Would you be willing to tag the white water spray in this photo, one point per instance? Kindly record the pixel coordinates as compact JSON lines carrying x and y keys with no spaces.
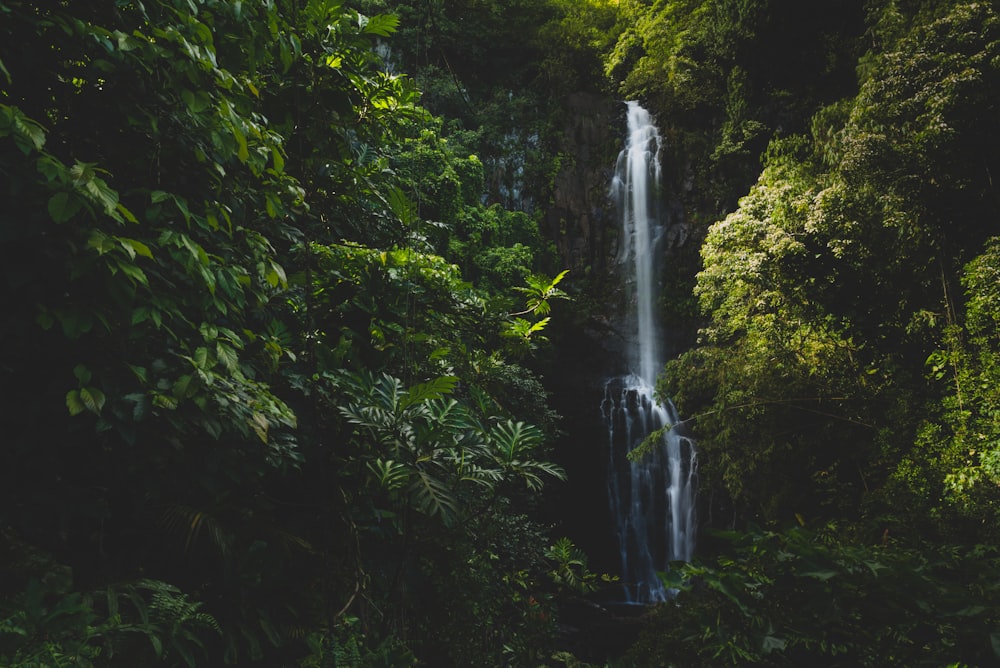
{"x":652,"y":499}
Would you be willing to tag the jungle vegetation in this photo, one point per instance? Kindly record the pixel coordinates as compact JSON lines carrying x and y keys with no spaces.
{"x":276,"y":304}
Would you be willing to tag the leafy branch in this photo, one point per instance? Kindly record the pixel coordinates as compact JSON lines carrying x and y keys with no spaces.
{"x":539,"y":291}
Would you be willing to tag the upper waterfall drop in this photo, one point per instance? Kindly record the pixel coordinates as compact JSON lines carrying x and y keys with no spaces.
{"x":634,"y":190}
{"x":652,"y":499}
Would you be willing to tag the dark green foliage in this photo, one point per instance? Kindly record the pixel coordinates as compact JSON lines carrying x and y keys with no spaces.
{"x":827,"y":289}
{"x":724,"y":77}
{"x":500,"y":74}
{"x":801,"y":597}
{"x":232,"y":361}
{"x":147,"y":621}
{"x":429,"y":484}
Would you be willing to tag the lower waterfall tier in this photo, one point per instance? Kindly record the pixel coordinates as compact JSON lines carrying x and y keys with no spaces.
{"x":652,"y":498}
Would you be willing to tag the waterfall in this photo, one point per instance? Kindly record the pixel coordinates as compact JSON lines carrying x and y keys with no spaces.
{"x":651,"y":499}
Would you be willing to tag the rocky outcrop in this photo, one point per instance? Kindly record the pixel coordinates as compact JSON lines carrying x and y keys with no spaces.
{"x":580,"y":219}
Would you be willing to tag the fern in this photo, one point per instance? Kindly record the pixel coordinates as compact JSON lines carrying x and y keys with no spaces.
{"x":169,"y":620}
{"x":346,"y":653}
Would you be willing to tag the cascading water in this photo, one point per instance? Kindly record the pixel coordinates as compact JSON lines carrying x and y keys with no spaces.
{"x":652,"y":498}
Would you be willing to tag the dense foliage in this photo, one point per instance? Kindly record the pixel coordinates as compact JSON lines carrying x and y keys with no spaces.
{"x":848,"y":296}
{"x":274,"y":282}
{"x":252,"y":414}
{"x":804,"y":597}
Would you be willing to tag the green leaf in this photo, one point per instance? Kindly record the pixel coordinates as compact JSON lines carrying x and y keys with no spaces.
{"x":28,"y":135}
{"x":277,"y":159}
{"x":772,"y":643}
{"x":390,"y":474}
{"x":125,"y":42}
{"x":74,"y":403}
{"x":258,"y":422}
{"x":196,"y":102}
{"x":165,"y":401}
{"x":432,"y":498}
{"x":819,"y":574}
{"x":140,"y":405}
{"x":432,"y":389}
{"x":517,"y":328}
{"x":101,"y":242}
{"x":276,"y":275}
{"x":271,"y":205}
{"x":538,"y":326}
{"x":675,"y":578}
{"x":156,"y":643}
{"x":382,"y":25}
{"x":227,"y":356}
{"x":515,"y":438}
{"x":182,"y":387}
{"x":126,"y":214}
{"x":202,"y":359}
{"x":62,"y":206}
{"x":93,"y":399}
{"x":242,"y":152}
{"x":133,"y":272}
{"x":102,"y":194}
{"x":134,"y":247}
{"x":402,"y":206}
{"x":140,"y":372}
{"x":82,"y":374}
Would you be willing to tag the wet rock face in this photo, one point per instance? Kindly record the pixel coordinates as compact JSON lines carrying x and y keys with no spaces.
{"x":580,"y":219}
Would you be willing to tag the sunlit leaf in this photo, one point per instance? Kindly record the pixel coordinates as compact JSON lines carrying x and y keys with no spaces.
{"x":382,"y":25}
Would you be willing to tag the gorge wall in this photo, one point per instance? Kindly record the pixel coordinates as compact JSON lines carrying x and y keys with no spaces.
{"x":579,"y":218}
